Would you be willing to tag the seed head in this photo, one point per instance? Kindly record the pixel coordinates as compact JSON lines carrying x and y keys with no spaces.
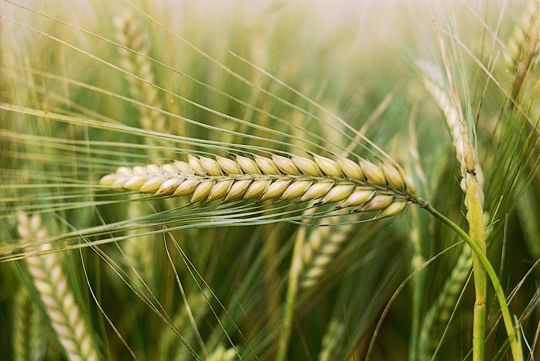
{"x":362,"y":185}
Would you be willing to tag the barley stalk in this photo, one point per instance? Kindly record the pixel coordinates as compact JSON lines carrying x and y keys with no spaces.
{"x":361,"y":186}
{"x":52,"y":285}
{"x":472,"y":184}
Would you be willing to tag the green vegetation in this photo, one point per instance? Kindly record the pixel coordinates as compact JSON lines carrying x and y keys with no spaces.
{"x":300,"y":180}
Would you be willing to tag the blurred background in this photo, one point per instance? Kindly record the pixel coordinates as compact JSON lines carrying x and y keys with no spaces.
{"x":90,"y":86}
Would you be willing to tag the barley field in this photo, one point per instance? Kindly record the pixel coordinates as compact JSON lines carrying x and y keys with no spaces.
{"x":269,"y":180}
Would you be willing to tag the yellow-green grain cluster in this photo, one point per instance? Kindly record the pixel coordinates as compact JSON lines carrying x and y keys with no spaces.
{"x":361,"y":185}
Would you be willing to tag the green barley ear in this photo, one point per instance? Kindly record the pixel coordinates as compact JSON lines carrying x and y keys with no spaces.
{"x":523,"y":46}
{"x":334,"y":328}
{"x":439,"y":313}
{"x":29,"y":340}
{"x":434,"y":83}
{"x":523,"y":43}
{"x":321,"y":248}
{"x":52,"y":284}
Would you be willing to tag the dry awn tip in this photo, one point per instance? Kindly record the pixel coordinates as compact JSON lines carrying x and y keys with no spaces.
{"x":361,"y":185}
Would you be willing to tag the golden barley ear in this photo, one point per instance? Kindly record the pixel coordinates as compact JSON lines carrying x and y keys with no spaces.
{"x":362,"y":186}
{"x":51,"y":282}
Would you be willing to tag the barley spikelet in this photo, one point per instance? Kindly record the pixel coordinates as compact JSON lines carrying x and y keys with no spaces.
{"x":51,"y":283}
{"x":361,"y":186}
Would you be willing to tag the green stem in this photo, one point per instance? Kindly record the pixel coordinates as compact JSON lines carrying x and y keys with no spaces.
{"x":477,"y":233}
{"x":292,"y":292}
{"x":418,"y":293}
{"x":513,"y":339}
{"x":419,"y":287}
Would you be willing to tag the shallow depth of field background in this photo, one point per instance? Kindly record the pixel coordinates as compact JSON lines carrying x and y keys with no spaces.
{"x":219,"y":293}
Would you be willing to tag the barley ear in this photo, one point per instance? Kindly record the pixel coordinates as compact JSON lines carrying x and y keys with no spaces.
{"x":362,"y":185}
{"x":52,"y":284}
{"x":28,"y":338}
{"x":131,"y":35}
{"x":523,"y":44}
{"x":439,"y":313}
{"x":321,"y":248}
{"x":523,"y":47}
